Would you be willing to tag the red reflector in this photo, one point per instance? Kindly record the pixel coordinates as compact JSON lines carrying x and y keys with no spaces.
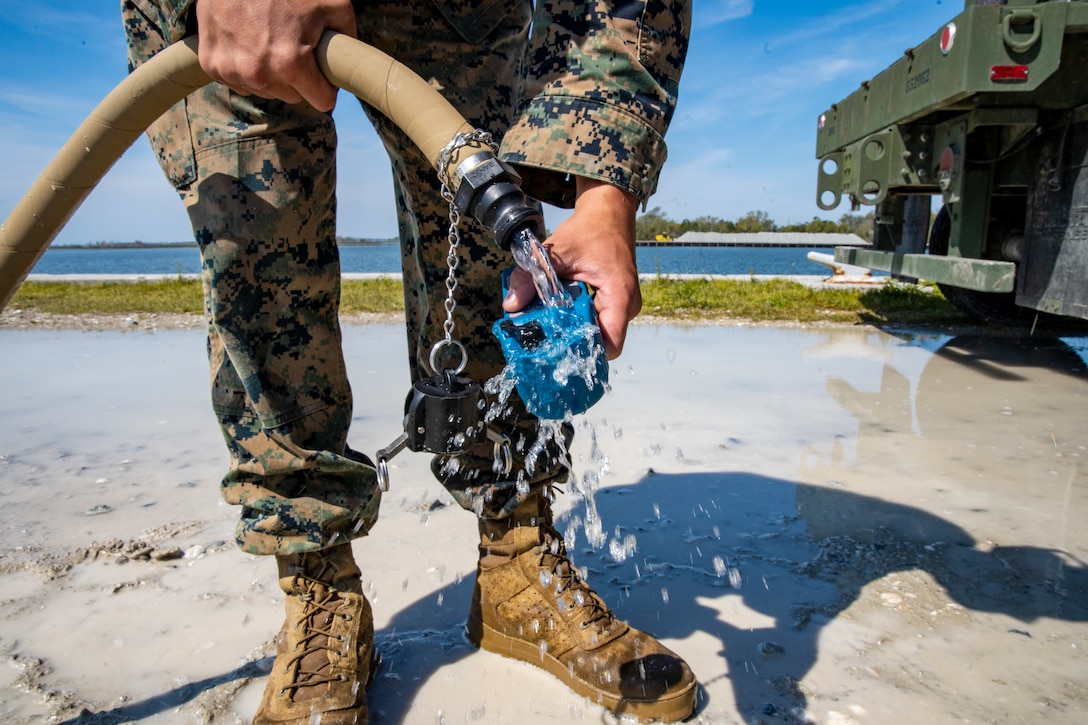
{"x":948,"y":159}
{"x":1008,"y":73}
{"x":948,"y":38}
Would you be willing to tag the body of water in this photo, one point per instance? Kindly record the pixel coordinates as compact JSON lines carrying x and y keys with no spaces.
{"x":385,"y":258}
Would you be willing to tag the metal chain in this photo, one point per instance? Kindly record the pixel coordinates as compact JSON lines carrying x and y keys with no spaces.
{"x":476,"y":137}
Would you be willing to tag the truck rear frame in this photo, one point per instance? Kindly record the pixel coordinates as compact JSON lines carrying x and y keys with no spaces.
{"x":990,"y":113}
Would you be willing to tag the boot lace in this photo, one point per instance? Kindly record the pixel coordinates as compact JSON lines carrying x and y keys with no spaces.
{"x":565,"y":577}
{"x":322,"y":605}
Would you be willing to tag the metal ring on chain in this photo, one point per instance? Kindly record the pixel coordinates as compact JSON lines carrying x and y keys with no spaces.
{"x":504,"y":457}
{"x":382,"y":470}
{"x":448,"y":343}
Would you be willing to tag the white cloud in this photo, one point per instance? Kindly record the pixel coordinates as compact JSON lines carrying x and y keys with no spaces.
{"x":719,"y":11}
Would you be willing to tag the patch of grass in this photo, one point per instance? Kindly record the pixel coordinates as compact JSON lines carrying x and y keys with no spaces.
{"x":384,"y":294}
{"x":756,"y":300}
{"x":909,"y":304}
{"x":687,"y":299}
{"x":177,"y":296}
{"x":73,"y":298}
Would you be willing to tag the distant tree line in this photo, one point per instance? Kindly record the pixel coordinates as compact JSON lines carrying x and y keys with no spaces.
{"x":135,"y":244}
{"x":654,"y":224}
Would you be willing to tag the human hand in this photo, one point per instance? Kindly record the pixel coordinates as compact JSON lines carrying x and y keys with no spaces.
{"x":595,"y":245}
{"x":266,"y":47}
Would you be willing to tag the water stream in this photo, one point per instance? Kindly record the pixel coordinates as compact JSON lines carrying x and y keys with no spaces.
{"x":531,"y":256}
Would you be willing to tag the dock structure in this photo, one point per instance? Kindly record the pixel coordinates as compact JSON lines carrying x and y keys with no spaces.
{"x":761,"y":239}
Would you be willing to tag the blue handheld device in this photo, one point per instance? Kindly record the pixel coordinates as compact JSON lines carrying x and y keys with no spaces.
{"x":555,"y":353}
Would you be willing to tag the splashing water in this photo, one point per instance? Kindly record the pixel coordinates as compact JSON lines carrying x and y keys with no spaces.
{"x":622,"y":549}
{"x":570,"y":534}
{"x":553,"y":345}
{"x":577,"y":362}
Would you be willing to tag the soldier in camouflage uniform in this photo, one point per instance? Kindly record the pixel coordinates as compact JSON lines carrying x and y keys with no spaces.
{"x":581,"y":107}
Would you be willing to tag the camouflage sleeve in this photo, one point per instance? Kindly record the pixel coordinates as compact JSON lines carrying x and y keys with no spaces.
{"x":175,"y":12}
{"x":601,"y":83}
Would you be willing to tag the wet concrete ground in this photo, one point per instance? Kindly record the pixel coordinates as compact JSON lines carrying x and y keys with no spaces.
{"x":832,"y":525}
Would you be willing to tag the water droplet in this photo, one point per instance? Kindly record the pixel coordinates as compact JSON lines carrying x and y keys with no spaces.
{"x":570,"y":534}
{"x":719,"y":566}
{"x":622,"y":549}
{"x":665,"y":595}
{"x":734,"y":578}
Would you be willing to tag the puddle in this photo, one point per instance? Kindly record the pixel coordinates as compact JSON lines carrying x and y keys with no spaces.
{"x":830,"y":525}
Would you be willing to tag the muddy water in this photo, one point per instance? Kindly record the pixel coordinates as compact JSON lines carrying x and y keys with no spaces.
{"x":831,"y":525}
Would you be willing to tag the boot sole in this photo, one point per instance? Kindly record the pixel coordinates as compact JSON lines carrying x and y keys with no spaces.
{"x":673,"y":708}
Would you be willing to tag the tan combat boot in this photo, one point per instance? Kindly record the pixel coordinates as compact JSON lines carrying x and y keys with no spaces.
{"x":530,"y":604}
{"x":325,"y":651}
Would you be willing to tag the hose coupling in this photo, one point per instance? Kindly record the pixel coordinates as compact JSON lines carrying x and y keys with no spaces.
{"x":490,"y":191}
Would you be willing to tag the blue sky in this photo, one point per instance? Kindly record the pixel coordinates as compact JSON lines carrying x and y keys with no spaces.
{"x":759,"y":73}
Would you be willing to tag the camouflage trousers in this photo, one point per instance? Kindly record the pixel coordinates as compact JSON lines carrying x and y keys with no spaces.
{"x":258,"y":179}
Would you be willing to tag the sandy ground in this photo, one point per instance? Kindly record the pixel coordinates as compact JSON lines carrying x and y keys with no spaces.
{"x":833,"y":525}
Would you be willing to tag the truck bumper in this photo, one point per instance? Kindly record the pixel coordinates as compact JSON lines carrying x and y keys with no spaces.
{"x":975,"y":274}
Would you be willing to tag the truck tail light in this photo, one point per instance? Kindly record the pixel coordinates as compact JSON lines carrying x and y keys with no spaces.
{"x":1008,"y":73}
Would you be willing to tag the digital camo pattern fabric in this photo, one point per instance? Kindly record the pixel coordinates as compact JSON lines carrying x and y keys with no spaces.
{"x":258,"y":179}
{"x":601,"y":83}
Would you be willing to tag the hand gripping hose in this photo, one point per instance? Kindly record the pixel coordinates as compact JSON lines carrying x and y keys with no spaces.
{"x":406,"y":99}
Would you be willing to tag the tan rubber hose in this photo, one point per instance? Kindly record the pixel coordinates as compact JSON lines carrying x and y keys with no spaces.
{"x":149,"y":91}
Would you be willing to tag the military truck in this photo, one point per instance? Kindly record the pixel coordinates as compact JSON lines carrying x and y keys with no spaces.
{"x":990,"y":113}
